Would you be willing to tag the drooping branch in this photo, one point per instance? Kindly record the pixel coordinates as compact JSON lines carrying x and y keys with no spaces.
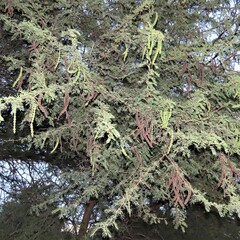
{"x":229,"y":173}
{"x":66,"y":104}
{"x":41,"y":107}
{"x":144,"y":128}
{"x":180,"y":187}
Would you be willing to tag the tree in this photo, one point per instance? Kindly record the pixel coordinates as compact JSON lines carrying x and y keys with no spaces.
{"x":142,"y":96}
{"x":17,"y":221}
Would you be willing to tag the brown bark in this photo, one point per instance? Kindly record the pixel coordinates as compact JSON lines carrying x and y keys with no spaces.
{"x":86,"y":218}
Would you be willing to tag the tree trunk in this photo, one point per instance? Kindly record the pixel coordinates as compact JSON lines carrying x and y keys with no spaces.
{"x":86,"y":218}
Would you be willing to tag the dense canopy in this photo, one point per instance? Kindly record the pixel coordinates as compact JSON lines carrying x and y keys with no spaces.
{"x":138,"y":100}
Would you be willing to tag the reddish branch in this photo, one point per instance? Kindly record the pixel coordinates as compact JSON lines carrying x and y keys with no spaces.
{"x":228,"y":175}
{"x":41,"y":107}
{"x":33,"y":46}
{"x":139,"y":158}
{"x":9,"y":8}
{"x":144,"y":128}
{"x":180,"y":186}
{"x":201,"y":72}
{"x":91,"y":96}
{"x":185,"y":67}
{"x":65,"y":107}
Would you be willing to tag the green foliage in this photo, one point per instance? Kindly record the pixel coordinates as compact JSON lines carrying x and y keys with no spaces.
{"x":18,"y":223}
{"x":137,"y":92}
